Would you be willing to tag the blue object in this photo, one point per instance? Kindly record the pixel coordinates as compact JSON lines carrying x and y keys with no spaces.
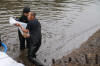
{"x":5,"y":47}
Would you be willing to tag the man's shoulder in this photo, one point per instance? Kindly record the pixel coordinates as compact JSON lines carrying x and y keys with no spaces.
{"x":34,"y":22}
{"x":37,"y":21}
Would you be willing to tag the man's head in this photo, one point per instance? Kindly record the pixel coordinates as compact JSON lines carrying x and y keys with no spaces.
{"x":26,"y":10}
{"x":31,"y":15}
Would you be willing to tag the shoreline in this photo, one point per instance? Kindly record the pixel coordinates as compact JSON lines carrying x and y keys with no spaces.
{"x":88,"y":54}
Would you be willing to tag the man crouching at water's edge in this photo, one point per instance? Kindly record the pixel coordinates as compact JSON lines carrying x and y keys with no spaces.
{"x":33,"y":32}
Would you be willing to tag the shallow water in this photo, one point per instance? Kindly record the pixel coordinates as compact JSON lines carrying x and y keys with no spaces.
{"x":66,"y":24}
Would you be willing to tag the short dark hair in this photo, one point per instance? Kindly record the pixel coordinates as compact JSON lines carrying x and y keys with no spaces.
{"x":26,"y":9}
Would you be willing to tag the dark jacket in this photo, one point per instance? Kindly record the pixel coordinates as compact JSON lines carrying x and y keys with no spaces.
{"x":35,"y":30}
{"x":22,"y":19}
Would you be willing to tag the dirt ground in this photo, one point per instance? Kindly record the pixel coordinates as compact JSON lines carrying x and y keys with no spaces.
{"x":87,"y":55}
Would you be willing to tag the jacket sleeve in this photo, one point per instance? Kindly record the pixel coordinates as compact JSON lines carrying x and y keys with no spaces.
{"x":18,"y":18}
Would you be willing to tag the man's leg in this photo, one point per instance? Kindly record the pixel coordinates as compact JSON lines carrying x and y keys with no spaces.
{"x":22,"y":41}
{"x":32,"y":54}
{"x":32,"y":50}
{"x":27,"y":42}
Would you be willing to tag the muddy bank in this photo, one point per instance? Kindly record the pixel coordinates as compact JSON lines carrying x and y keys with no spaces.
{"x":87,"y":55}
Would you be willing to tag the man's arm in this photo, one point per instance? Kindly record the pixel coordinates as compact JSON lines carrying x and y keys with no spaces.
{"x":22,"y":28}
{"x":26,"y":31}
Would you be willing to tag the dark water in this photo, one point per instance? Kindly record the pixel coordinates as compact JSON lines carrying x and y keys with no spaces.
{"x":62,"y":21}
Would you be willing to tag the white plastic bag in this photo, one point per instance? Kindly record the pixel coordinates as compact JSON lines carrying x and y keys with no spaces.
{"x":12,"y":21}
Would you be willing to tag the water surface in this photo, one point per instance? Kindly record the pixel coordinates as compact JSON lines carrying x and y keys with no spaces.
{"x":66,"y":24}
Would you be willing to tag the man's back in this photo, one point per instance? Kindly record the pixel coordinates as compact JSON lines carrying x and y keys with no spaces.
{"x":34,"y":29}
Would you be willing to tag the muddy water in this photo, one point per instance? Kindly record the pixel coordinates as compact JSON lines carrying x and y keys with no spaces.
{"x":65,"y":25}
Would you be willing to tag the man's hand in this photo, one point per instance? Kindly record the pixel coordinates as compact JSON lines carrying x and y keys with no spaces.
{"x":17,"y":24}
{"x":26,"y":35}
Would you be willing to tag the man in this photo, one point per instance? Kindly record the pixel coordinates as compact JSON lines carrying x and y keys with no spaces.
{"x":24,"y":19}
{"x":33,"y":32}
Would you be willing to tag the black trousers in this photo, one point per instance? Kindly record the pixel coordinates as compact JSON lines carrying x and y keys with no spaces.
{"x":33,"y":48}
{"x":22,"y":41}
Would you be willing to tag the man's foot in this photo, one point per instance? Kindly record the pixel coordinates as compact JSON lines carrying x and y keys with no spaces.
{"x":36,"y":61}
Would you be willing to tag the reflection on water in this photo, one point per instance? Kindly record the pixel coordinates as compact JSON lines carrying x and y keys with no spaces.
{"x":56,"y":17}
